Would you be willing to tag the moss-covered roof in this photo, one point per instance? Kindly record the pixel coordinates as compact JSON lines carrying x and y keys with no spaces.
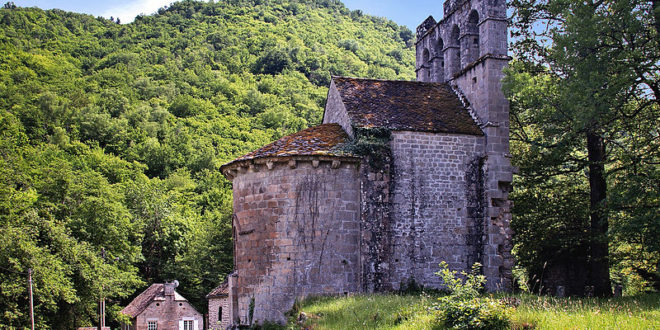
{"x":405,"y":105}
{"x":322,"y":140}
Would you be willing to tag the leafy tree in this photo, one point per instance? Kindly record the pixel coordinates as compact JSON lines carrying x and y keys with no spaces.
{"x":584,"y":96}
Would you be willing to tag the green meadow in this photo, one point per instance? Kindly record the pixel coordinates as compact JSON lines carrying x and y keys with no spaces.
{"x":392,"y":311}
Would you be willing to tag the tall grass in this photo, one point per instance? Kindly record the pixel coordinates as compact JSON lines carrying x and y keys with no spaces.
{"x":641,"y":312}
{"x":389,"y":311}
{"x":386,"y":311}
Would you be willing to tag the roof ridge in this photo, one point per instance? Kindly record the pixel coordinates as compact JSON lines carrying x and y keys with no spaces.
{"x":390,"y":80}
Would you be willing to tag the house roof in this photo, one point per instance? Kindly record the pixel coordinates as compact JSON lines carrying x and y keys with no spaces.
{"x":322,"y":140}
{"x":156,"y":292}
{"x":220,"y":291}
{"x":405,"y":106}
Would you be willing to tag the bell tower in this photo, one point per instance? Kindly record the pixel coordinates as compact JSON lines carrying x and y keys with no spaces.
{"x":468,"y":50}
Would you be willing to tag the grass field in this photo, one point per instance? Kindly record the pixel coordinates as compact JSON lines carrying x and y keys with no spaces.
{"x":533,"y":312}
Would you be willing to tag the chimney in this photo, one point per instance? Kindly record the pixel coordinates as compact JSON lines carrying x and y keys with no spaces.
{"x":169,"y":287}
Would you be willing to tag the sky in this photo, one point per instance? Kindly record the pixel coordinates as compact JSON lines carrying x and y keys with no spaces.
{"x":404,"y":12}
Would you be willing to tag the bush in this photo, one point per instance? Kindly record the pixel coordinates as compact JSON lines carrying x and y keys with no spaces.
{"x":463,"y":308}
{"x":475,"y":313}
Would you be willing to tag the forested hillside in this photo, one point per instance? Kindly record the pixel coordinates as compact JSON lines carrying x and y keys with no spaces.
{"x":111,"y":137}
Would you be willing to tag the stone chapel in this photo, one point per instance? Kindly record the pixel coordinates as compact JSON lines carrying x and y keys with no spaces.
{"x":400,"y":176}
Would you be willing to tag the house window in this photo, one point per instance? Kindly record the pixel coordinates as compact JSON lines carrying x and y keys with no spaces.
{"x":220,"y":314}
{"x":152,"y":325}
{"x":188,"y":325}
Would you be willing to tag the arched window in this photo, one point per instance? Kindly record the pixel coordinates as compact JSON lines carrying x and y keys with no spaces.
{"x":455,"y":33}
{"x":220,"y":314}
{"x":473,"y":20}
{"x":473,"y":41}
{"x":424,"y":73}
{"x":441,"y":47}
{"x":455,"y":58}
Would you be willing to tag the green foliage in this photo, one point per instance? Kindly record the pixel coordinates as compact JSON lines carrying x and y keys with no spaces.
{"x":593,"y":72}
{"x":111,"y":138}
{"x":475,"y":313}
{"x":463,"y":308}
{"x":462,"y":288}
{"x":372,"y":143}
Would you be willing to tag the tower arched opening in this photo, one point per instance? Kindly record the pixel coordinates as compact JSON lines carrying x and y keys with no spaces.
{"x":472,"y":42}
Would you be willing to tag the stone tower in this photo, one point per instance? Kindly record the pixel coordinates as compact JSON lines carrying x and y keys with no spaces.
{"x":468,"y":50}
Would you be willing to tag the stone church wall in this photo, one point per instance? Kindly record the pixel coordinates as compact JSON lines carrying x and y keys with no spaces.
{"x":435,"y":205}
{"x":297,"y":233}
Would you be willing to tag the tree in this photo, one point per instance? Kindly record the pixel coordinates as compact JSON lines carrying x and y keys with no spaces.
{"x":600,"y":62}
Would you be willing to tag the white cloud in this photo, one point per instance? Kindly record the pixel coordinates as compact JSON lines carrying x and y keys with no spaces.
{"x":127,"y":12}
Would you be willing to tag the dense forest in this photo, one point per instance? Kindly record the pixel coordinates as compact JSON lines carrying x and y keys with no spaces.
{"x":112,"y":135}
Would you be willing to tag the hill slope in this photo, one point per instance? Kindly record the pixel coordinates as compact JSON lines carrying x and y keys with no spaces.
{"x":112,"y":136}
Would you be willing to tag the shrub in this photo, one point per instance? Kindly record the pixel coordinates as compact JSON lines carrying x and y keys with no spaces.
{"x":463,"y":308}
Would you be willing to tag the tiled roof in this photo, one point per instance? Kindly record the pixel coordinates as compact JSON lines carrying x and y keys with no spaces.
{"x":405,"y":105}
{"x":324,"y":140}
{"x":221,"y":291}
{"x":155,"y":292}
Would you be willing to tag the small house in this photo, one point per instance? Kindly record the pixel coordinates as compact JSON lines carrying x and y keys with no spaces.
{"x":160,"y":307}
{"x":219,"y":314}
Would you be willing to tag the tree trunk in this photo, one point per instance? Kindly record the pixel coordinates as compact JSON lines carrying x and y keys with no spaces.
{"x":599,"y":264}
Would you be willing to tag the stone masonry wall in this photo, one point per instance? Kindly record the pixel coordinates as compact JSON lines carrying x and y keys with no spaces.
{"x":433,"y":205}
{"x":376,"y":220}
{"x":217,"y":321}
{"x":297,"y":229}
{"x":335,"y":111}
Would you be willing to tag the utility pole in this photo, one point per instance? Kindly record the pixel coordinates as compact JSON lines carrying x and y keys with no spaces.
{"x":31,"y":303}
{"x":102,"y":300}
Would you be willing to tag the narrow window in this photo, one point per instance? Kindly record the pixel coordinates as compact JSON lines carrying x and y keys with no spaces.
{"x":220,"y":314}
{"x":152,"y":325}
{"x":441,"y":47}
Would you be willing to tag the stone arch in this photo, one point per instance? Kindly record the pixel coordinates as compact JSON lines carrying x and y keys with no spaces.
{"x":472,"y":37}
{"x":426,"y":65}
{"x":473,"y":20}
